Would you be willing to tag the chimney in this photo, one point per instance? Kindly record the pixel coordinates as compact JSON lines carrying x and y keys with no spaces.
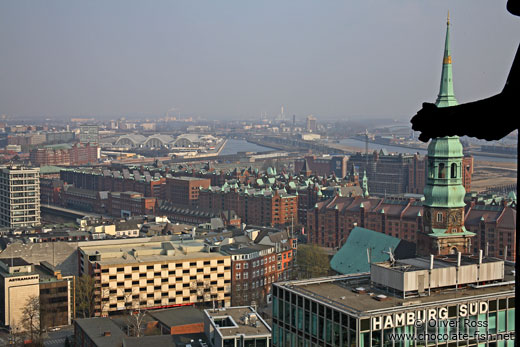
{"x":431,"y":261}
{"x":459,"y":257}
{"x":107,"y":333}
{"x":505,"y":252}
{"x":480,"y":252}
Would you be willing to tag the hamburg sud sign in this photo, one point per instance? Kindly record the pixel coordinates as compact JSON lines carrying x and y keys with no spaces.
{"x":425,"y":315}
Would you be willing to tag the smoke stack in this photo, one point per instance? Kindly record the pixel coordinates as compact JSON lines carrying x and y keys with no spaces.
{"x":505,"y":252}
{"x":487,"y":249}
{"x":431,"y":261}
{"x":459,"y":257}
{"x":480,"y":252}
{"x":368,"y":256}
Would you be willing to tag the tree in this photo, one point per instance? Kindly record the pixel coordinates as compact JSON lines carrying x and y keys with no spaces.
{"x":85,"y":296}
{"x":311,"y":261}
{"x":31,"y":317}
{"x":135,"y":322}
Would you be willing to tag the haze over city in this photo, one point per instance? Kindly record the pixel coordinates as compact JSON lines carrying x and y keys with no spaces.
{"x":237,"y":60}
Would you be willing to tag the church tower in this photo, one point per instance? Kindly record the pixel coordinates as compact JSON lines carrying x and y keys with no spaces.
{"x":364,"y":185}
{"x":444,"y":231}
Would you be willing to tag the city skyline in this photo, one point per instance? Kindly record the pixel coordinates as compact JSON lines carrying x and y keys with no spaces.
{"x":240,"y":60}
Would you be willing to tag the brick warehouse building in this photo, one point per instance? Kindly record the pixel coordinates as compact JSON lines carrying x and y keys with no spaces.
{"x":323,"y":166}
{"x":331,"y":221}
{"x":126,"y":204}
{"x":184,"y":191}
{"x":65,"y":154}
{"x":265,"y":207}
{"x":115,"y":181}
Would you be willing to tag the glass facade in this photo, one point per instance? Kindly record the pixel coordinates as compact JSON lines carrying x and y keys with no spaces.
{"x":300,"y":320}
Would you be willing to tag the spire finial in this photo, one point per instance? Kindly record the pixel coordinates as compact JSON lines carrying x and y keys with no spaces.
{"x":448,"y":20}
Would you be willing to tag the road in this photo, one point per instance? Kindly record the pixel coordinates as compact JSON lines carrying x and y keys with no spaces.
{"x":57,"y":338}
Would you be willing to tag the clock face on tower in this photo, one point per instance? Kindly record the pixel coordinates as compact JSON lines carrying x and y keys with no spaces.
{"x":455,"y":217}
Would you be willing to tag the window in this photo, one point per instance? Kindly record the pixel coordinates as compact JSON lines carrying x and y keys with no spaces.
{"x":439,"y":217}
{"x":237,"y":266}
{"x":238,"y":276}
{"x":453,"y":170}
{"x":442,"y":171}
{"x":246,"y":265}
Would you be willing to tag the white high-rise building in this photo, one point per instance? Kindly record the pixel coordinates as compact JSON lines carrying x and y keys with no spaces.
{"x":19,"y":196}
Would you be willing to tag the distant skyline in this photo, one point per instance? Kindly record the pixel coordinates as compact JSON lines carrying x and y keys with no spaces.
{"x":240,"y":59}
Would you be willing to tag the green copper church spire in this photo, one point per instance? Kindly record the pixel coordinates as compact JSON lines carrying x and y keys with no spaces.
{"x":443,"y":206}
{"x":446,"y":95}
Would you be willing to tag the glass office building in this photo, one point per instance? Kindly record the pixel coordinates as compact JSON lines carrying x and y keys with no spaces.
{"x":411,"y":302}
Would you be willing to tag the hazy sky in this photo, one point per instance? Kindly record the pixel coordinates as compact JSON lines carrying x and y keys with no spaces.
{"x":237,"y":59}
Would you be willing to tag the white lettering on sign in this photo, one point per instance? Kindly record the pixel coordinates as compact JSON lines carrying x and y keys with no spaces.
{"x":432,"y":314}
{"x":23,"y":278}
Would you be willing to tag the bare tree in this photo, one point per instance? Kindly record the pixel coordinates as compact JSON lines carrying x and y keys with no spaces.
{"x":31,"y":317}
{"x":85,"y":297}
{"x":135,"y":322}
{"x":136,"y":315}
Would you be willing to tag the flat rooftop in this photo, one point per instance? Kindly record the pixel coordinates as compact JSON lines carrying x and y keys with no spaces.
{"x":237,"y":315}
{"x":189,"y":178}
{"x":157,"y":251}
{"x":235,"y":249}
{"x":423,"y":263}
{"x":340,"y":291}
{"x":15,"y":261}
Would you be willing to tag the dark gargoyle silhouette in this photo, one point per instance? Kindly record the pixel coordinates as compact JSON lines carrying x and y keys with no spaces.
{"x":488,"y":119}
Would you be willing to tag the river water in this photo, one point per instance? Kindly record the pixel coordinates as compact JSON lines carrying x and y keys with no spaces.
{"x":397,"y":149}
{"x":234,"y":146}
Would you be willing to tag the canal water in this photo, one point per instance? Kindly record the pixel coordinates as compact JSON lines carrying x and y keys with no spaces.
{"x":234,"y":146}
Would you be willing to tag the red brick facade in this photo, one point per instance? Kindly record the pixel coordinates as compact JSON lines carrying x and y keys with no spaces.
{"x":78,"y":154}
{"x":330,"y":223}
{"x":107,"y":181}
{"x":126,"y":204}
{"x":184,"y":191}
{"x":267,"y":209}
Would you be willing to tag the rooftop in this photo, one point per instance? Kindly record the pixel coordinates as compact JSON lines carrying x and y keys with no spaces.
{"x":154,"y":251}
{"x":234,"y":249}
{"x":343,"y":292}
{"x":178,"y":316}
{"x":242,"y":320}
{"x":16,"y":261}
{"x":97,"y":328}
